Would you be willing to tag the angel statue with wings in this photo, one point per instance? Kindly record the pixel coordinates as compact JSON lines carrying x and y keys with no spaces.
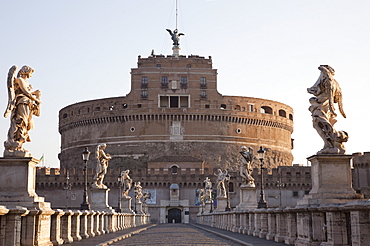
{"x":326,"y":93}
{"x":23,"y":103}
{"x":175,"y":36}
{"x":245,"y":166}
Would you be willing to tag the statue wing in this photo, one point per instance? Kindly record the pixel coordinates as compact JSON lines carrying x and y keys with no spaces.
{"x":181,"y":34}
{"x":338,"y":99}
{"x":11,"y":93}
{"x":170,"y":32}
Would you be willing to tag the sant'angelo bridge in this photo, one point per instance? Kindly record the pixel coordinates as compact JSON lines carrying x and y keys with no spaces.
{"x":331,"y":214}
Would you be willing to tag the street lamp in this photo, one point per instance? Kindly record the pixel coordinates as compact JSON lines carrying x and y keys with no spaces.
{"x":227,"y":179}
{"x":120,"y":193}
{"x":85,"y":157}
{"x":261,"y":203}
{"x":280,"y":185}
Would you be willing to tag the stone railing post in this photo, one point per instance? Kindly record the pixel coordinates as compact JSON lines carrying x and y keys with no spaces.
{"x":251,"y":222}
{"x":264,"y":223}
{"x":245,"y":216}
{"x":291,"y":219}
{"x":280,"y":225}
{"x":336,"y":222}
{"x":91,"y":223}
{"x":29,"y":228}
{"x":55,"y":229}
{"x":96,"y":228}
{"x":83,"y":224}
{"x":271,"y":218}
{"x":66,"y":220}
{"x":257,"y":222}
{"x":102,"y":227}
{"x":13,"y":222}
{"x":76,"y":225}
{"x":360,"y":222}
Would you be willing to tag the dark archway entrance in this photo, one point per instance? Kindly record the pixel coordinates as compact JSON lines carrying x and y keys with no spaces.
{"x":174,"y":215}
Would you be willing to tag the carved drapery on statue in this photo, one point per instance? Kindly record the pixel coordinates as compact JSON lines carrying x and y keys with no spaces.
{"x":138,"y":192}
{"x":23,"y":103}
{"x":221,"y":179}
{"x":245,"y":166}
{"x":126,"y":181}
{"x":101,"y":167}
{"x":208,"y":190}
{"x":327,"y":92}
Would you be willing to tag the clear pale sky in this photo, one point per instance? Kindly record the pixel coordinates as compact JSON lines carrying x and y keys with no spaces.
{"x":84,"y":50}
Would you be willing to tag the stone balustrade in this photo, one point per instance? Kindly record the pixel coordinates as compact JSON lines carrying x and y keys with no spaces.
{"x":331,"y":224}
{"x":25,"y":226}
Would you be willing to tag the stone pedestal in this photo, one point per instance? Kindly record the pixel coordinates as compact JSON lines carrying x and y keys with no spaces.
{"x":248,"y":198}
{"x":208,"y":207}
{"x":139,"y":208}
{"x":221,"y":204}
{"x":331,"y":180}
{"x":17,"y":189}
{"x":18,"y":181}
{"x":126,"y":205}
{"x":99,"y":200}
{"x":176,"y":50}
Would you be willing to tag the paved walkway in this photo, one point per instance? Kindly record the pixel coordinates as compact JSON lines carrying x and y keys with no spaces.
{"x":175,"y":235}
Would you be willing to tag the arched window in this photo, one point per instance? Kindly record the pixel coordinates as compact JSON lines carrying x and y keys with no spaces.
{"x":266,"y":110}
{"x":174,"y":169}
{"x":290,"y":117}
{"x":282,"y":113}
{"x":231,"y":187}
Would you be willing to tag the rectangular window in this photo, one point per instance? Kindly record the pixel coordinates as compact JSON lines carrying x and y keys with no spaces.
{"x":184,"y":80}
{"x":250,"y":108}
{"x":295,"y":193}
{"x":163,"y":101}
{"x":203,"y":82}
{"x":173,"y":101}
{"x":203,"y":94}
{"x":164,"y":82}
{"x":144,"y":94}
{"x":144,"y":82}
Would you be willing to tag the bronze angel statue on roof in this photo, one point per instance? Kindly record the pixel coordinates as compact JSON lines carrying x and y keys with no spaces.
{"x":23,"y":103}
{"x":175,"y":36}
{"x":327,"y":93}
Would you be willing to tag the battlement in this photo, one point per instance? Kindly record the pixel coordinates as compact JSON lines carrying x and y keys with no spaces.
{"x":290,"y":176}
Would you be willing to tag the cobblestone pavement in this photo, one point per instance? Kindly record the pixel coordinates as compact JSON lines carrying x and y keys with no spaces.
{"x":175,"y":235}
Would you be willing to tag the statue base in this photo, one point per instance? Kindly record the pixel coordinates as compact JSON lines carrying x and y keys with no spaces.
{"x":18,"y":181}
{"x":17,"y":192}
{"x":331,"y":180}
{"x":221,"y":204}
{"x":126,"y":205}
{"x":248,"y":198}
{"x":176,"y":50}
{"x":208,"y":207}
{"x":139,"y":208}
{"x":99,"y":200}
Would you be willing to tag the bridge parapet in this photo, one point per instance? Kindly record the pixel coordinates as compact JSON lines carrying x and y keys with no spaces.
{"x":334,"y":224}
{"x":65,"y":226}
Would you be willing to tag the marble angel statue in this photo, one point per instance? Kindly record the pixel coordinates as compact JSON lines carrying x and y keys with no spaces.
{"x":207,"y":189}
{"x":23,"y":103}
{"x":222,"y":177}
{"x":245,"y":166}
{"x":101,"y":166}
{"x":126,"y":181}
{"x":175,"y":36}
{"x":138,"y":191}
{"x":327,"y":93}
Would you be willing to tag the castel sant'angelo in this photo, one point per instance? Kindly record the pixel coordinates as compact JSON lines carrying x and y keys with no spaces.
{"x":172,"y":129}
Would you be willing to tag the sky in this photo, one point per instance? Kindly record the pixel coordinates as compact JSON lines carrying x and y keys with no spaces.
{"x":83,"y":50}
